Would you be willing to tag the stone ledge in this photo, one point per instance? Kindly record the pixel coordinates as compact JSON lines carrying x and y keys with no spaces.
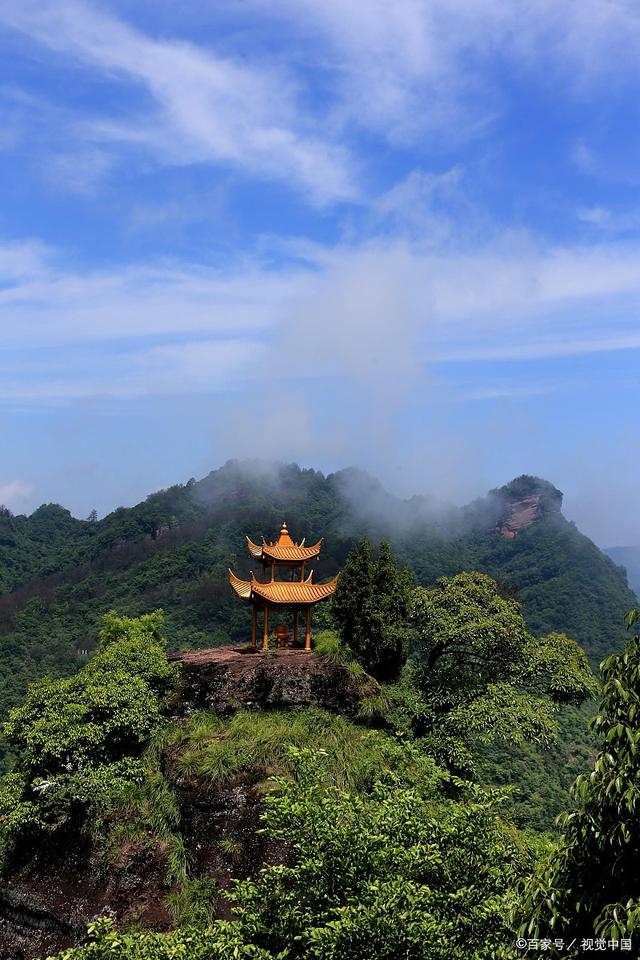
{"x":225,"y":679}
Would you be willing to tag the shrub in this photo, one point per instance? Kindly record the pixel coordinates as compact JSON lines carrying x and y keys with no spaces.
{"x":80,"y":742}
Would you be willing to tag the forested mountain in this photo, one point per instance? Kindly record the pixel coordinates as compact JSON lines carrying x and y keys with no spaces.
{"x":629,"y":558}
{"x":144,"y":782}
{"x":58,"y":575}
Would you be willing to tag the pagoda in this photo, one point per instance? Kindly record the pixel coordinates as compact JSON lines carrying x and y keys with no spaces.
{"x":271,"y":593}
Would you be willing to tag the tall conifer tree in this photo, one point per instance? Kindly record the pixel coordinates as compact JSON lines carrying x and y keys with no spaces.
{"x":371,"y":607}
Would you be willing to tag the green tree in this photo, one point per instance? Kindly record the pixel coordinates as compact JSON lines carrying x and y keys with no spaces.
{"x":220,"y":940}
{"x":480,"y":674}
{"x":399,"y":871}
{"x":80,"y":741}
{"x":371,"y":607}
{"x":419,"y":865}
{"x":591,"y":881}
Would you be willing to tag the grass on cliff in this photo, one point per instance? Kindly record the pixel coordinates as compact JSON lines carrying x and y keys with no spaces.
{"x":255,"y":746}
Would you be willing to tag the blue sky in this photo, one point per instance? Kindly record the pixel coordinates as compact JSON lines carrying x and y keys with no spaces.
{"x":402,"y":236}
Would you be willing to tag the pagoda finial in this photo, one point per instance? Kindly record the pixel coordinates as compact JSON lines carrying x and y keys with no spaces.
{"x":284,"y":539}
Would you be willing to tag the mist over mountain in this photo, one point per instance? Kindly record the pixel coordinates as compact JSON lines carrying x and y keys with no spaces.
{"x":629,"y":558}
{"x":58,"y":575}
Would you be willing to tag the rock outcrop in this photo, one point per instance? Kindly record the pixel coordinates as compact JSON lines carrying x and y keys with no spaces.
{"x":523,"y":501}
{"x":48,"y":901}
{"x":522,"y":513}
{"x":227,"y":679}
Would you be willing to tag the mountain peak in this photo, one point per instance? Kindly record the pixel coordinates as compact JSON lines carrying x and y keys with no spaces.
{"x":526,"y":499}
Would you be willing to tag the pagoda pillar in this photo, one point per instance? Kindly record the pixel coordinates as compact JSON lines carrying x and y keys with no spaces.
{"x":307,"y":635}
{"x":254,"y":624}
{"x":295,"y":628}
{"x":265,"y":635}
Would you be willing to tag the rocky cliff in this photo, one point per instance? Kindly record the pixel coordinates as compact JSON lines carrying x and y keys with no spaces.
{"x":523,"y":501}
{"x":227,"y":678}
{"x":521,"y":514}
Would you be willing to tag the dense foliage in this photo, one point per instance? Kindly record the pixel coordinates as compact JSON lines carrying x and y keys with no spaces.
{"x":218,"y":941}
{"x":59,"y":576}
{"x":78,"y":741}
{"x":401,"y":871}
{"x":371,"y":609}
{"x":91,"y":751}
{"x":591,"y":882}
{"x":376,"y":831}
{"x":383,"y":851}
{"x":478,"y":675}
{"x":539,"y":776}
{"x":417,"y":866}
{"x":563,"y":580}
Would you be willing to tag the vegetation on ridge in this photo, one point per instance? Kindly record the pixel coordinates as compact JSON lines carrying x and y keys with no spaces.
{"x":371,"y":609}
{"x":59,"y":576}
{"x":473,"y":695}
{"x":384,"y":852}
{"x":590,"y":880}
{"x":214,"y":751}
{"x":629,"y":558}
{"x":77,"y":743}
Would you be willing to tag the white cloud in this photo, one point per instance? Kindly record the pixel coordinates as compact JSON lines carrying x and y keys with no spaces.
{"x":611,"y":221}
{"x":429,"y":207}
{"x":45,"y":304}
{"x":20,"y":262}
{"x":508,"y":392}
{"x":586,"y":162}
{"x":418,"y":65}
{"x":202,"y":366}
{"x":400,"y":69}
{"x":15,"y":494}
{"x":377,"y":314}
{"x":207,"y":108}
{"x":80,"y":172}
{"x":552,"y":347}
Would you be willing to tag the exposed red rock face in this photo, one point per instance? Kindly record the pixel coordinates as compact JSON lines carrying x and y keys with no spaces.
{"x":48,"y":903}
{"x":523,"y":501}
{"x":521,"y":514}
{"x":225,"y":679}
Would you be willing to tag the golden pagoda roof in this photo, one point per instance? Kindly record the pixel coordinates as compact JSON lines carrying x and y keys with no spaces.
{"x":283,"y":591}
{"x":241,"y":587}
{"x":283,"y":548}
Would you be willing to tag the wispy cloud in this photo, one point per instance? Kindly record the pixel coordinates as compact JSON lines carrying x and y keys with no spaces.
{"x":418,"y":65}
{"x":81,"y":172}
{"x":203,"y":107}
{"x":21,"y":262}
{"x":200,"y":367}
{"x":43,"y":303}
{"x":401,"y":70}
{"x":376,"y":313}
{"x":431,"y":208}
{"x":610,"y":221}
